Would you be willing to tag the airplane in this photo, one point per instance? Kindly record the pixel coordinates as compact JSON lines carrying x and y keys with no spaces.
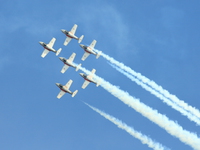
{"x":88,"y":79}
{"x":49,"y":47}
{"x":65,"y":89}
{"x":89,"y":50}
{"x":71,"y":35}
{"x":68,"y":63}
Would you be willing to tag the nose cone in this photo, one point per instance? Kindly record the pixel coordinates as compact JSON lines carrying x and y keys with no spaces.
{"x":81,"y":74}
{"x":41,"y":43}
{"x":57,"y":84}
{"x":63,"y":31}
{"x":61,"y":58}
{"x":81,"y":45}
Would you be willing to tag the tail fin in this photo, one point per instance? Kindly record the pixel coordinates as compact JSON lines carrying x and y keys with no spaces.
{"x":74,"y":93}
{"x":78,"y":67}
{"x":98,"y":55}
{"x":58,"y":51}
{"x":80,"y":39}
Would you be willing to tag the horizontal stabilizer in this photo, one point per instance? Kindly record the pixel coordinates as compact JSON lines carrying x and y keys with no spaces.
{"x":97,"y":84}
{"x":80,"y":39}
{"x":98,"y":55}
{"x":74,"y":93}
{"x":58,"y":51}
{"x":78,"y":67}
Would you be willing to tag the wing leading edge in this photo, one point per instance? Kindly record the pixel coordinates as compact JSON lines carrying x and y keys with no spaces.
{"x":85,"y":84}
{"x":51,"y":43}
{"x":71,"y":58}
{"x":73,"y":30}
{"x":64,"y":68}
{"x":67,"y":40}
{"x":60,"y":94}
{"x":45,"y":52}
{"x":68,"y":84}
{"x":85,"y":55}
{"x":92,"y":45}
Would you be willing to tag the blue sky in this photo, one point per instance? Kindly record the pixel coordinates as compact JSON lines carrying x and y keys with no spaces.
{"x":159,"y":39}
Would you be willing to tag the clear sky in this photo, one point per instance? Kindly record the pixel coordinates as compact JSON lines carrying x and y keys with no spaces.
{"x":159,"y":39}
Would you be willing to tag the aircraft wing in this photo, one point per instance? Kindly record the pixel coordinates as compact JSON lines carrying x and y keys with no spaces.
{"x":92,"y":73}
{"x":51,"y":43}
{"x":85,"y":84}
{"x":67,"y":40}
{"x":45,"y":52}
{"x":92,"y":45}
{"x":85,"y":55}
{"x":65,"y":67}
{"x":71,"y":58}
{"x":68,"y":84}
{"x":73,"y":30}
{"x":60,"y":94}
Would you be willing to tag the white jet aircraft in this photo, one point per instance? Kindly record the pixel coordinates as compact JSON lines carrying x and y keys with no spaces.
{"x":90,"y":50}
{"x":49,"y":47}
{"x":65,"y":89}
{"x":71,"y":35}
{"x":69,"y":62}
{"x":88,"y":79}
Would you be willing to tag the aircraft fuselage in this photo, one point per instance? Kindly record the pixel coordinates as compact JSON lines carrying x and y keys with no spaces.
{"x":66,"y":62}
{"x":86,"y":78}
{"x":88,"y":49}
{"x":63,"y":88}
{"x":69,"y":34}
{"x":46,"y":47}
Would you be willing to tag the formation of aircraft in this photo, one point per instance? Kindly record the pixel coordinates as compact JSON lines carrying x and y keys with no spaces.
{"x":49,"y":47}
{"x":71,"y":35}
{"x":88,"y":79}
{"x":89,"y":50}
{"x":65,"y":89}
{"x":69,"y":62}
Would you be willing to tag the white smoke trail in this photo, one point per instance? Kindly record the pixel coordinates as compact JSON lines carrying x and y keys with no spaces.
{"x":171,"y":127}
{"x":159,"y":95}
{"x":151,"y":83}
{"x":143,"y":138}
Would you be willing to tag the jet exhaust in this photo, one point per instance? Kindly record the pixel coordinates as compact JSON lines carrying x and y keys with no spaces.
{"x":190,"y":116}
{"x":163,"y":121}
{"x":194,"y":111}
{"x":143,"y":138}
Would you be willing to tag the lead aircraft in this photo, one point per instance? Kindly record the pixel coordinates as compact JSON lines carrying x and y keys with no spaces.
{"x":90,"y":50}
{"x":88,"y":79}
{"x":71,"y":35}
{"x":49,"y":47}
{"x":65,"y":89}
{"x":69,"y":62}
